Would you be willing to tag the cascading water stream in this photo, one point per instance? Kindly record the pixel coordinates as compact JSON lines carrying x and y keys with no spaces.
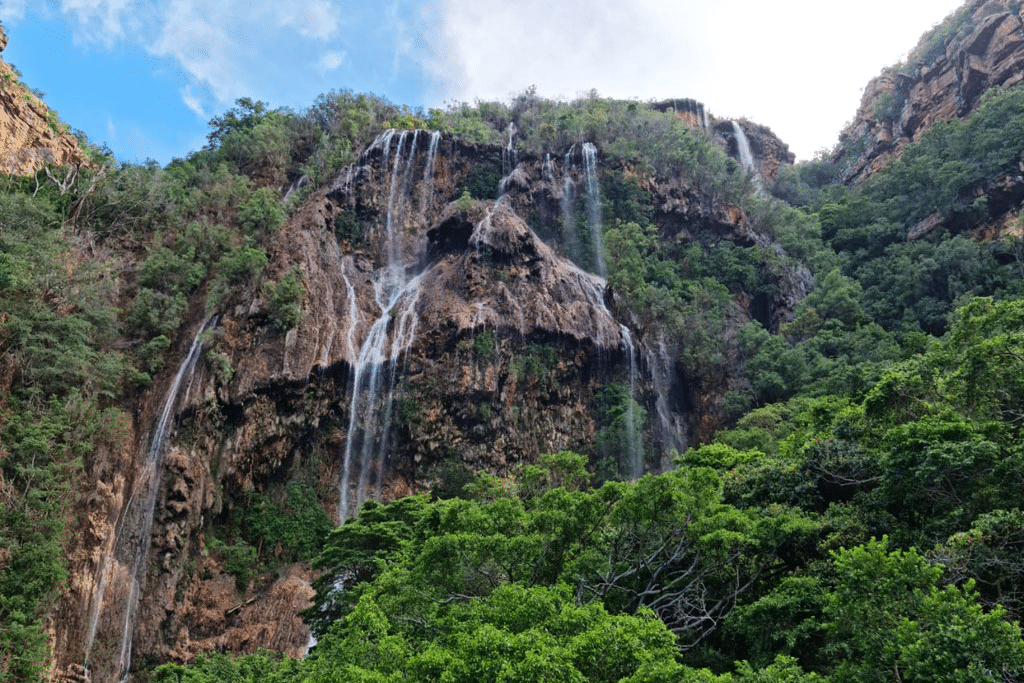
{"x":427,"y":198}
{"x":594,"y":287}
{"x":634,"y":452}
{"x":593,"y":186}
{"x":672,"y":435}
{"x":135,"y":527}
{"x":509,"y":155}
{"x":375,"y":369}
{"x":747,"y":156}
{"x":547,"y":171}
{"x":568,"y":212}
{"x":353,"y":317}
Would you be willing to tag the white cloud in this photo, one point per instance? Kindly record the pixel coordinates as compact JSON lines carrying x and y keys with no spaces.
{"x":332,"y":60}
{"x":193,"y":102}
{"x":101,"y":21}
{"x":795,"y":65}
{"x":111,"y":130}
{"x":204,"y":46}
{"x":12,"y":10}
{"x":316,"y":19}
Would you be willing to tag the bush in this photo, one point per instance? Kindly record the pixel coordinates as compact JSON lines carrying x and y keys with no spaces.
{"x":261,"y":214}
{"x":285,"y":299}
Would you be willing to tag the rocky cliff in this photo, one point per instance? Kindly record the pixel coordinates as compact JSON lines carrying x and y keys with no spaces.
{"x":439,"y":336}
{"x":31,"y":134}
{"x":980,"y":46}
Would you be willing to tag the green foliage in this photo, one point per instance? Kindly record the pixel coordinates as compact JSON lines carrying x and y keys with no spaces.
{"x":262,"y":213}
{"x":941,"y":185}
{"x":284,"y":299}
{"x":536,"y":363}
{"x":239,"y":560}
{"x":482,"y":182}
{"x":221,"y":365}
{"x":922,"y":632}
{"x":485,"y":345}
{"x":464,"y":202}
{"x":238,"y":267}
{"x":346,"y":228}
{"x":297,"y":524}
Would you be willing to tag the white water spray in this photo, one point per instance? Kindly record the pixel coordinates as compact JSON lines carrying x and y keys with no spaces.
{"x":427,"y":198}
{"x":568,"y":212}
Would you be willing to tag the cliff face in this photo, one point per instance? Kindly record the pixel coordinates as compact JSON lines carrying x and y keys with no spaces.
{"x":30,"y":134}
{"x":979,"y":47}
{"x":439,"y":336}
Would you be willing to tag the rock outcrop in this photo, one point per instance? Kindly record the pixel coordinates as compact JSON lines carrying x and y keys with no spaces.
{"x":31,"y":135}
{"x":981,"y":46}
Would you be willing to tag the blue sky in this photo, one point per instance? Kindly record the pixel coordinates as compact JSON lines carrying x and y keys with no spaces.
{"x":145,"y":76}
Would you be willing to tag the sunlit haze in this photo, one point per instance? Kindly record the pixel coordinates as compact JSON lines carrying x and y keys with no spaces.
{"x":145,"y":76}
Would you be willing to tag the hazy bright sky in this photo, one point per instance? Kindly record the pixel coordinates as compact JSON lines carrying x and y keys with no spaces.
{"x":145,"y":76}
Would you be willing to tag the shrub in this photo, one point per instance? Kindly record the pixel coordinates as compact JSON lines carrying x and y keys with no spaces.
{"x":261,"y":214}
{"x":285,"y":299}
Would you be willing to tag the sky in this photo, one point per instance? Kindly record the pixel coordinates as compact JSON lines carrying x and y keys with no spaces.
{"x":146,"y":76}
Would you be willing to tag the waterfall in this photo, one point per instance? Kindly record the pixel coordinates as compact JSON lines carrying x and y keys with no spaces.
{"x":509,"y":155}
{"x":367,"y":430}
{"x":568,"y":213}
{"x":353,"y":317}
{"x":427,"y":196}
{"x":375,"y":370}
{"x":634,"y":451}
{"x":547,"y":171}
{"x":594,"y":288}
{"x":577,"y":241}
{"x":126,"y":563}
{"x":747,"y":156}
{"x":593,"y":186}
{"x":295,"y":187}
{"x":672,"y":433}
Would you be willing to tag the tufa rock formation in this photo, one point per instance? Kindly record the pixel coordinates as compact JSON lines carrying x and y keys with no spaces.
{"x":980,"y":46}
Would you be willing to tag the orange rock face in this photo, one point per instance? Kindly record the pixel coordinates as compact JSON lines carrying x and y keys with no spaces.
{"x":986,"y":50}
{"x":30,"y":135}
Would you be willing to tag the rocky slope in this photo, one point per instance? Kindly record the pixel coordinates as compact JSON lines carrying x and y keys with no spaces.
{"x":981,"y":46}
{"x":31,"y":135}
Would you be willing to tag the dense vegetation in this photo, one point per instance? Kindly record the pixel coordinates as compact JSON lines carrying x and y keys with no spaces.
{"x":859,"y":522}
